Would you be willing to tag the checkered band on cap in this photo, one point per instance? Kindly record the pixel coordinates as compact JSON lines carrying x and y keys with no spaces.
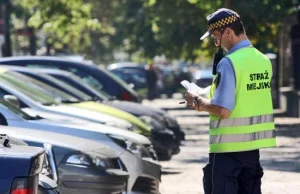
{"x":222,"y":22}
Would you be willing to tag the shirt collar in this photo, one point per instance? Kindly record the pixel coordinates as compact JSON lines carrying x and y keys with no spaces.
{"x":239,"y":45}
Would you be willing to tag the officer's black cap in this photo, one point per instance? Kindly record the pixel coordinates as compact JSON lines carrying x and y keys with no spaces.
{"x":219,"y":19}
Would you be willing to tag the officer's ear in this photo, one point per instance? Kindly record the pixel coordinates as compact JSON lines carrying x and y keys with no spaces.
{"x":227,"y":31}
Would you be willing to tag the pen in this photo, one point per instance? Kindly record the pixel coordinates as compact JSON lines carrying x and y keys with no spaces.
{"x":182,"y":102}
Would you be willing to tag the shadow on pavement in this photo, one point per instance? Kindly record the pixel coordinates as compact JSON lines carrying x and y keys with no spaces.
{"x":201,"y":160}
{"x":288,"y":165}
{"x":170,"y":173}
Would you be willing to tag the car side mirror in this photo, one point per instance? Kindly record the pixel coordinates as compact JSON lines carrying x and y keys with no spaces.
{"x":13,"y":100}
{"x":51,"y":161}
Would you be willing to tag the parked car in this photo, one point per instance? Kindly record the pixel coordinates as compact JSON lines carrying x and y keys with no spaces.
{"x":82,"y":100}
{"x":78,"y":165}
{"x":165,"y":143}
{"x":97,"y":76}
{"x":20,"y":167}
{"x":131,"y":148}
{"x":46,"y":185}
{"x":139,"y":110}
{"x":28,"y":91}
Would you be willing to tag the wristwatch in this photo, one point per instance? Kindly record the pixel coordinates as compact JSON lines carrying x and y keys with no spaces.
{"x":196,"y":101}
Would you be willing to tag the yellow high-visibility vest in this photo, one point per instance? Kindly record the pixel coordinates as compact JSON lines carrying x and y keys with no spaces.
{"x":250,"y":125}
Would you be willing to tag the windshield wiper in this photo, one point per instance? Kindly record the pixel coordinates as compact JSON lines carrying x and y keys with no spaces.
{"x":70,"y":101}
{"x":48,"y":103}
{"x":37,"y":117}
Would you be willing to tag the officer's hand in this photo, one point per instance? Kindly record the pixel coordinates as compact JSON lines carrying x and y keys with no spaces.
{"x":198,"y":108}
{"x":189,"y":97}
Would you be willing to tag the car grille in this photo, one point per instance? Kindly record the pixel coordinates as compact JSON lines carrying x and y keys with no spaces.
{"x":145,"y":185}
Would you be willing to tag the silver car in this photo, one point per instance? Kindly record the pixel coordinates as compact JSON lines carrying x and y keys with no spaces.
{"x":78,"y":165}
{"x":133,"y":149}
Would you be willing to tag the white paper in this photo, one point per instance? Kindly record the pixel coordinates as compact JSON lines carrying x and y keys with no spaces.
{"x":193,"y":88}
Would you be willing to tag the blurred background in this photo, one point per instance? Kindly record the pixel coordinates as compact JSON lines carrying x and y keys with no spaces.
{"x":109,"y":71}
{"x":164,"y":34}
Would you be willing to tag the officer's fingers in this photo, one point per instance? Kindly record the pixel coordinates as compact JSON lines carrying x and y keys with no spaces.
{"x":192,"y":106}
{"x":198,"y":108}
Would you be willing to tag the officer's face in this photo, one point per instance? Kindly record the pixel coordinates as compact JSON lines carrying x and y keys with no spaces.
{"x":220,"y":38}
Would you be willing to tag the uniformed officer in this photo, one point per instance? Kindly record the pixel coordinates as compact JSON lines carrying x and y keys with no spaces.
{"x":240,"y":108}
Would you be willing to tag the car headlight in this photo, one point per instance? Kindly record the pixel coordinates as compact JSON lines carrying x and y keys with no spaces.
{"x":133,"y":148}
{"x":79,"y":159}
{"x":155,"y":124}
{"x":89,"y":160}
{"x":103,"y":162}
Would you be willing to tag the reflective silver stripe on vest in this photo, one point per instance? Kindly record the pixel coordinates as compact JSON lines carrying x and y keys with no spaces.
{"x":242,"y":137}
{"x":231,"y":122}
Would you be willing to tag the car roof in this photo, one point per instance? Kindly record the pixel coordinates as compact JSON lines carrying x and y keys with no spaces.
{"x":122,"y":65}
{"x":43,"y":58}
{"x":36,"y":70}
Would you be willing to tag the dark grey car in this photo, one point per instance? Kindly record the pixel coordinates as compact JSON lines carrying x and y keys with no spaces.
{"x":80,"y":165}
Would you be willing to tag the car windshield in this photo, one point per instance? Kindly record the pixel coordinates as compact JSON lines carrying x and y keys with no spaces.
{"x":68,"y":87}
{"x":15,"y":110}
{"x":100,"y":93}
{"x":117,"y":79}
{"x":36,"y":90}
{"x":73,"y":78}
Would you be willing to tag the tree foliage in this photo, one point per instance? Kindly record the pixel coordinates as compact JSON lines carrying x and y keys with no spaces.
{"x":148,"y":28}
{"x":173,"y":27}
{"x":64,"y":22}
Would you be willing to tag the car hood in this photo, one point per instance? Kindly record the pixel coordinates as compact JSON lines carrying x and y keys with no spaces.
{"x":135,"y":108}
{"x":51,"y":119}
{"x":95,"y":127}
{"x":89,"y":115}
{"x":56,"y":117}
{"x":67,"y":141}
{"x":107,"y":109}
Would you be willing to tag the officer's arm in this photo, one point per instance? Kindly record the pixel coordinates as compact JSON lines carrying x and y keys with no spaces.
{"x":223,"y":100}
{"x":219,"y":111}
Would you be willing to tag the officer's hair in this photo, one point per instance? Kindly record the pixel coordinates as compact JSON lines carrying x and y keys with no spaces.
{"x":237,"y":27}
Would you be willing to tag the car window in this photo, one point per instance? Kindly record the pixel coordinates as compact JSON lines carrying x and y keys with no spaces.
{"x":51,"y":91}
{"x":76,"y":82}
{"x":68,"y":87}
{"x":14,"y":109}
{"x":11,"y":79}
{"x":41,"y":65}
{"x":117,"y":79}
{"x":87,"y":78}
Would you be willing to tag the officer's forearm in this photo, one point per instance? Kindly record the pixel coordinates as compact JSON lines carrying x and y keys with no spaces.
{"x":205,"y":105}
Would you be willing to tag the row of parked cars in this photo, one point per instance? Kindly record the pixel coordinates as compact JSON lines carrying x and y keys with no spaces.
{"x":94,"y":135}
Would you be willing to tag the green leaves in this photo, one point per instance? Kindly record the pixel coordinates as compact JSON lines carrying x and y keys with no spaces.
{"x":67,"y":22}
{"x":147,"y":28}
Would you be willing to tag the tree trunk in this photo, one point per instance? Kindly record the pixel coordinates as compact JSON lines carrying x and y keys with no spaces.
{"x":32,"y":42}
{"x":6,"y":46}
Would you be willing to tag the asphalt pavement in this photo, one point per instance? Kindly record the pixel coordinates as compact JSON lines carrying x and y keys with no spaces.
{"x":183,"y":174}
